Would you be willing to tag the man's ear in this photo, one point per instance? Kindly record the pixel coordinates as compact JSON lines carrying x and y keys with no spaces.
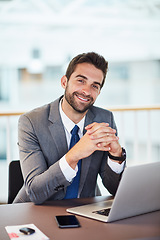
{"x":64,"y":81}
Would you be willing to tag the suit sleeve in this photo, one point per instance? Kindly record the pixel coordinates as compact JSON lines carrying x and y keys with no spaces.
{"x":41,"y":181}
{"x":109,"y":177}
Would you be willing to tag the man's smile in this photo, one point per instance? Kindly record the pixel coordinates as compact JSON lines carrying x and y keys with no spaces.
{"x":82,"y":98}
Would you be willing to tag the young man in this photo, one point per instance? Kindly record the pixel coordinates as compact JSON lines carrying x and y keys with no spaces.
{"x":50,"y":167}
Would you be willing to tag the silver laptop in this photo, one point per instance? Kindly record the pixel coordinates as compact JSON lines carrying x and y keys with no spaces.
{"x":138,"y":193}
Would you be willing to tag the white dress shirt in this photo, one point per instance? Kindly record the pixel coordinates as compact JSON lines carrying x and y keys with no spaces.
{"x":69,"y":172}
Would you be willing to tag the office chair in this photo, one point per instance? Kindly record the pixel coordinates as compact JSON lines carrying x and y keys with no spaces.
{"x":15,"y":180}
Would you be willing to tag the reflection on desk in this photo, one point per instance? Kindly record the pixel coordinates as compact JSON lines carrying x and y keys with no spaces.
{"x":146,"y":226}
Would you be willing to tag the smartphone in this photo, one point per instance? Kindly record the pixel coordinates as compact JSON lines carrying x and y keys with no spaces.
{"x":67,"y":221}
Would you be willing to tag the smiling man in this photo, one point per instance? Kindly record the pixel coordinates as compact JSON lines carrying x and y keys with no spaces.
{"x":64,"y":145}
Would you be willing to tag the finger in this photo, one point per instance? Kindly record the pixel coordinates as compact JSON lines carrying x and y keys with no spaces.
{"x":91,"y":128}
{"x":103,"y":143}
{"x":102,"y":134}
{"x":107,"y":142}
{"x":90,"y":125}
{"x":103,"y":147}
{"x":110,"y":133}
{"x":97,"y":126}
{"x":110,"y":139}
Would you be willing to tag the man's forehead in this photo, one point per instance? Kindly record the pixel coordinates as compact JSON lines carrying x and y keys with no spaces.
{"x":88,"y":70}
{"x":84,"y":65}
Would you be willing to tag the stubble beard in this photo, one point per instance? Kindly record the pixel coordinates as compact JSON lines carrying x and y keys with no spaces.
{"x":70,"y":98}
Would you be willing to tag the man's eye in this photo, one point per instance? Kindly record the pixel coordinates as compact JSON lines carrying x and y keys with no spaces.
{"x":80,"y":80}
{"x":95,"y":86}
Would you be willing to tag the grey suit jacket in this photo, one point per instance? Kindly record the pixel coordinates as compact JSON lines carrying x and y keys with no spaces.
{"x":42,"y":142}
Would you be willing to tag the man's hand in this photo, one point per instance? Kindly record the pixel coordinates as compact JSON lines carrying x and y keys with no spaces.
{"x":99,"y":136}
{"x":107,"y":138}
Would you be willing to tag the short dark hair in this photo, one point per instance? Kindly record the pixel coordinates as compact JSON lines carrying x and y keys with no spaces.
{"x":91,"y":57}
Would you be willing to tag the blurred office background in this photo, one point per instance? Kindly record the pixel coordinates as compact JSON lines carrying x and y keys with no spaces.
{"x":39,"y":37}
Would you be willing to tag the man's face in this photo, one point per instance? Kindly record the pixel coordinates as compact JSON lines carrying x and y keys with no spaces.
{"x":83,"y":86}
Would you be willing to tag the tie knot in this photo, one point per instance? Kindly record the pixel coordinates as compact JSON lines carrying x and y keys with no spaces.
{"x":74,"y":131}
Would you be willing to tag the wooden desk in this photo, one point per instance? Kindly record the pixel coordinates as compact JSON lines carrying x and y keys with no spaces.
{"x":146,"y":226}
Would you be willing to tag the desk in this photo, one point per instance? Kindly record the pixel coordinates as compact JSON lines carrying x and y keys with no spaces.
{"x":145,"y":226}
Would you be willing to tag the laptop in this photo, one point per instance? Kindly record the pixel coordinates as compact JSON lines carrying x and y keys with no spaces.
{"x":138,"y":193}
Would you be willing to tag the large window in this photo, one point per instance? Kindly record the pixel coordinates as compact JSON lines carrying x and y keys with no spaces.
{"x":4,"y":85}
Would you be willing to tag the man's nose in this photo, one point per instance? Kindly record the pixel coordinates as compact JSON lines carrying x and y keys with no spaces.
{"x":86,"y":90}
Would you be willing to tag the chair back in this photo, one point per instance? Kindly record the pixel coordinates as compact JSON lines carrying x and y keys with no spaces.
{"x":15,"y":180}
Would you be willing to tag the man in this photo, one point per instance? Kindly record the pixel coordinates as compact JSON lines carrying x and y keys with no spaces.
{"x":49,"y":165}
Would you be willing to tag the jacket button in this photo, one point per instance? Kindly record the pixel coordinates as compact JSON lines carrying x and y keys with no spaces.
{"x":59,"y":187}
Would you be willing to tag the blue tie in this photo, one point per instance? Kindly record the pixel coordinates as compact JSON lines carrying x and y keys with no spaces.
{"x":72,"y":190}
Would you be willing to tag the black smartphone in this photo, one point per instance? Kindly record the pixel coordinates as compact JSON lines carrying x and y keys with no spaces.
{"x":67,"y":221}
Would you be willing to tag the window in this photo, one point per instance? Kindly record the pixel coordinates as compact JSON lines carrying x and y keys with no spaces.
{"x":4,"y":85}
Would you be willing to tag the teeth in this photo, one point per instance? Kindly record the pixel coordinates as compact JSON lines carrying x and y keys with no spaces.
{"x":83,"y":99}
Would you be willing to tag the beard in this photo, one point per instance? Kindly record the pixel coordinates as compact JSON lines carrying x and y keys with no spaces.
{"x":78,"y":107}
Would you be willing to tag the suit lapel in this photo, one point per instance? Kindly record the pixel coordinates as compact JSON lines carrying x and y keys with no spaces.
{"x":56,"y":128}
{"x":86,"y":161}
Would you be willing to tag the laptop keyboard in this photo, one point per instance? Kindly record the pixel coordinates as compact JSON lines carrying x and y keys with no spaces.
{"x":104,"y":212}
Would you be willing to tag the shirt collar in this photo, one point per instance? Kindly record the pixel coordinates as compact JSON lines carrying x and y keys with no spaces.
{"x":68,"y":123}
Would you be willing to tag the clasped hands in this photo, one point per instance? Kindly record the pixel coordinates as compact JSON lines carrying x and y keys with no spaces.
{"x":99,"y":136}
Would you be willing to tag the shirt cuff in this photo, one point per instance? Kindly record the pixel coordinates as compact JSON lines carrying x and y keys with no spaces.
{"x":68,"y":172}
{"x":116,"y":167}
